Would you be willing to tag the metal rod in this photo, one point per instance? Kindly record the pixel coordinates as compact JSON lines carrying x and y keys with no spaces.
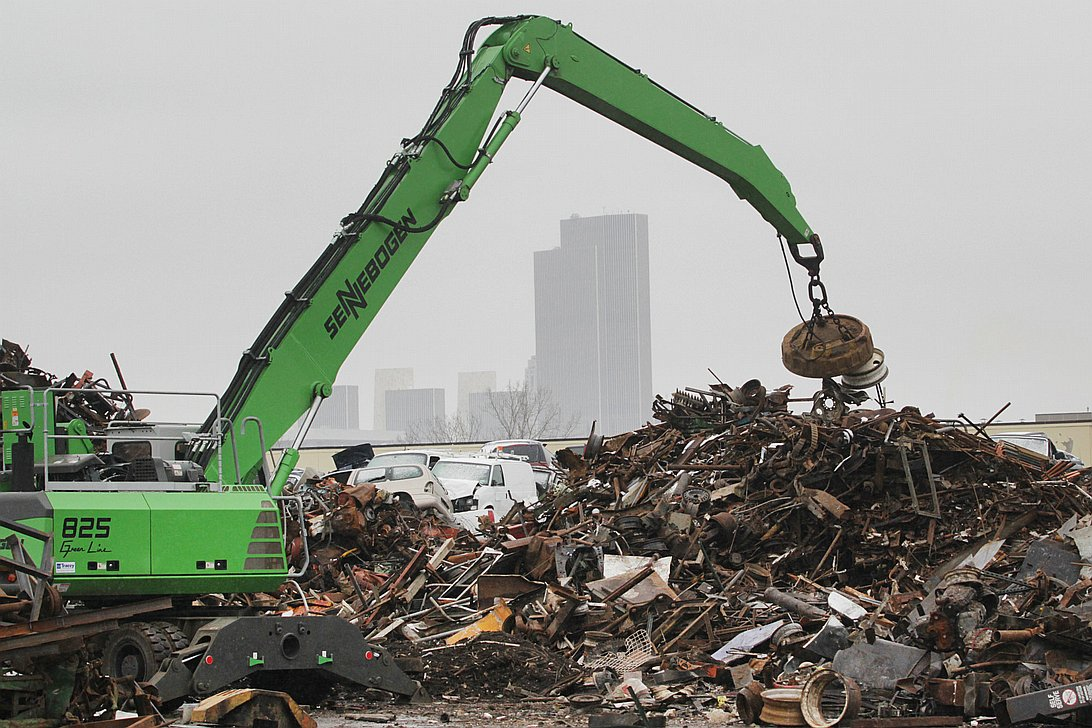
{"x":989,"y":422}
{"x":117,"y":370}
{"x":348,"y":570}
{"x":308,"y":418}
{"x":980,"y":428}
{"x":303,"y":597}
{"x":534,"y":88}
{"x":121,"y":381}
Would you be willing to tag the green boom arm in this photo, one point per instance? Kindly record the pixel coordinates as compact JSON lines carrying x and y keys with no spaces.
{"x":295,"y":359}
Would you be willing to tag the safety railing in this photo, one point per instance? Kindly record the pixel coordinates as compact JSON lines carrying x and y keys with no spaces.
{"x":147,"y":433}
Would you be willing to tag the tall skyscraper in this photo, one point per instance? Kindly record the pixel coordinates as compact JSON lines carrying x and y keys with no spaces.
{"x":385,"y":381}
{"x":409,"y":409}
{"x":341,"y":410}
{"x":593,"y":350}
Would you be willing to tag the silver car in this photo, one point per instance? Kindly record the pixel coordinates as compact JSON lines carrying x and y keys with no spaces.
{"x":415,"y":483}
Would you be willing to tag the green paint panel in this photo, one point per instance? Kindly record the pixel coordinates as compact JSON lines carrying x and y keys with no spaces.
{"x":210,"y":534}
{"x":102,"y":535}
{"x":110,"y":543}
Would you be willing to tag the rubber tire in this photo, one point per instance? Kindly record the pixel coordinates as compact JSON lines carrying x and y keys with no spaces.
{"x":176,"y":638}
{"x":135,"y":649}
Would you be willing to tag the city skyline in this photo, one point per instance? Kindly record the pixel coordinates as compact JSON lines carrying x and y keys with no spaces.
{"x":147,"y":115}
{"x":592,"y":353}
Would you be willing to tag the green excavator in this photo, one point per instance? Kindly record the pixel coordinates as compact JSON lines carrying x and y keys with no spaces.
{"x":80,"y":524}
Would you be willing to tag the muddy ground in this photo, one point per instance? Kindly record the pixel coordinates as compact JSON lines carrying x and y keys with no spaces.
{"x":496,"y":680}
{"x":495,"y":714}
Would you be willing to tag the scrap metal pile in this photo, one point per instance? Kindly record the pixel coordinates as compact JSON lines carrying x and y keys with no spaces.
{"x":87,"y":398}
{"x":879,"y":563}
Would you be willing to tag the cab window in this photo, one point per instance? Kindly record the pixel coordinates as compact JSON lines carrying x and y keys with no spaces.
{"x":369,"y":475}
{"x":132,"y":450}
{"x":404,"y":472}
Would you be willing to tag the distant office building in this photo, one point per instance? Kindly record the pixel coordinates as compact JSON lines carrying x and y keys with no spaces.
{"x":473,"y":383}
{"x":410,"y":409}
{"x":385,"y":381}
{"x":341,"y":410}
{"x":593,"y":349}
{"x":484,"y":416}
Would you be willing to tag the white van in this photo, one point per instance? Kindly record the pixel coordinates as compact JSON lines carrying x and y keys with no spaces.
{"x":485,"y":487}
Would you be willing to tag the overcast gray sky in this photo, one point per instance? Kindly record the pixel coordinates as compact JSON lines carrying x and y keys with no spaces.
{"x":169,"y":169}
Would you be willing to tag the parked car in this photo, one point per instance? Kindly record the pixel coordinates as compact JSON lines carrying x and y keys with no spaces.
{"x":533,"y":451}
{"x":481,"y":486}
{"x":1038,"y":442}
{"x":412,"y":482}
{"x":427,"y":458}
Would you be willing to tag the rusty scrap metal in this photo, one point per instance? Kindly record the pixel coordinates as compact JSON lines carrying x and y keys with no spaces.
{"x":827,"y":346}
{"x":734,"y":541}
{"x":828,"y":699}
{"x":91,"y":399}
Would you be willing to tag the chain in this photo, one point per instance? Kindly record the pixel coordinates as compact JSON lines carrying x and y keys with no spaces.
{"x":817,"y":294}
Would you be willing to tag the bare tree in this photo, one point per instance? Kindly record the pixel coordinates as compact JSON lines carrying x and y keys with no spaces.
{"x":524,"y":412}
{"x":456,"y":428}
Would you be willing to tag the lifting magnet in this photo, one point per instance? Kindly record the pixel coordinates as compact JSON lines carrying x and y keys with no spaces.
{"x":827,"y":346}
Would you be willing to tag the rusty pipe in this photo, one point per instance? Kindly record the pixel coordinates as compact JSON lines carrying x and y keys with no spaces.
{"x":792,"y":604}
{"x":14,"y":606}
{"x":1016,"y":635}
